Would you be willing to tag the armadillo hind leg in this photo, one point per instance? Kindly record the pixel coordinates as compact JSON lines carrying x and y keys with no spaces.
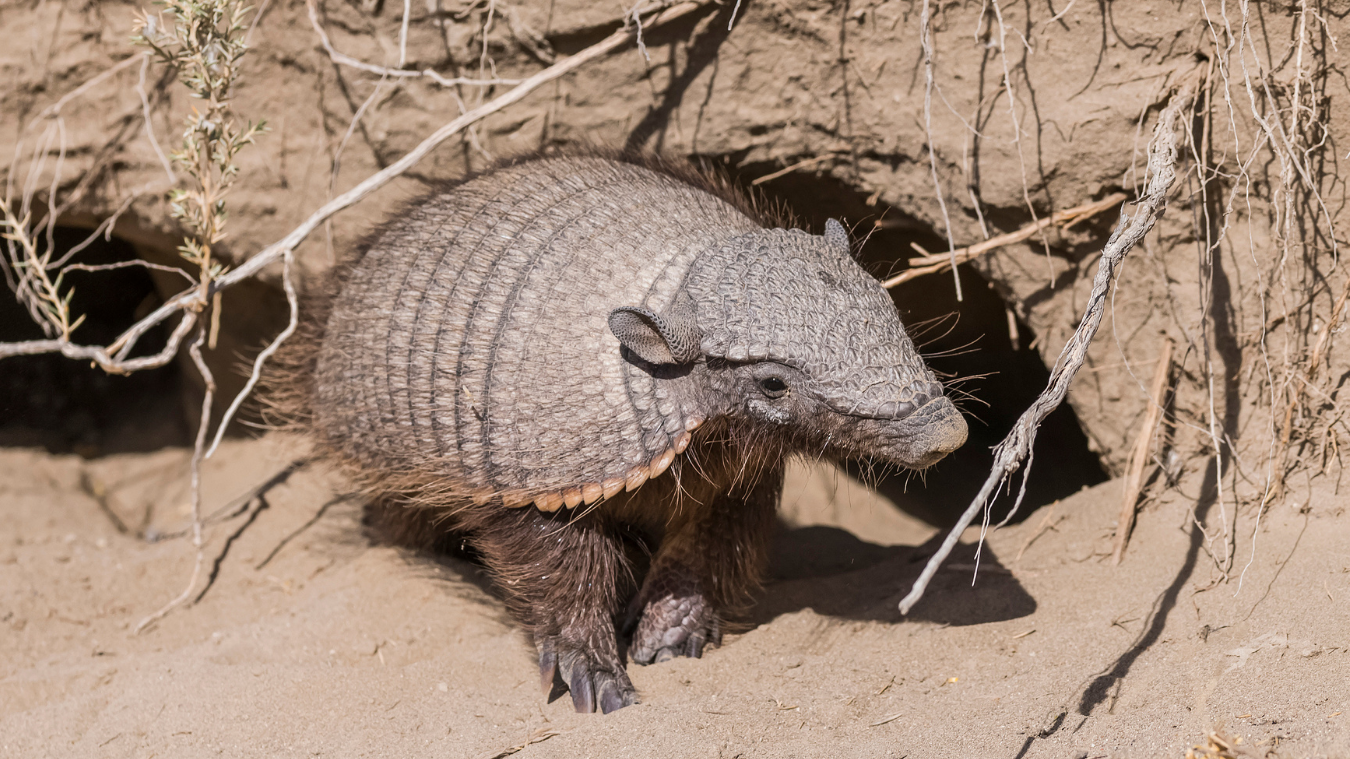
{"x":705,"y":566}
{"x":562,"y":579}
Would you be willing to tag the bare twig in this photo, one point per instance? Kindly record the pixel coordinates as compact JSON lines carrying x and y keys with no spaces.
{"x":403,"y":34}
{"x":1015,"y":119}
{"x":1017,"y":446}
{"x":105,"y":227}
{"x":195,"y":350}
{"x":127,"y":264}
{"x":636,"y":17}
{"x":943,"y":261}
{"x":537,"y":736}
{"x":266,"y":353}
{"x":1309,"y":374}
{"x":926,"y":40}
{"x":55,"y":108}
{"x":1045,"y":526}
{"x":788,"y":170}
{"x":149,"y":126}
{"x":888,"y":719}
{"x":1134,"y":473}
{"x":343,"y":59}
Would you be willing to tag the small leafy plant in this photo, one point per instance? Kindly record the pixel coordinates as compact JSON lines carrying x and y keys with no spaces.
{"x":204,"y":40}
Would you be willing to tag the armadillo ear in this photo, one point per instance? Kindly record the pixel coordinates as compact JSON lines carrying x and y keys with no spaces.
{"x":671,"y":337}
{"x":836,"y":235}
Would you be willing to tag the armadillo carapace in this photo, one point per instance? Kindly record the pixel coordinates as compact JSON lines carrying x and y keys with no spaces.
{"x":577,"y":362}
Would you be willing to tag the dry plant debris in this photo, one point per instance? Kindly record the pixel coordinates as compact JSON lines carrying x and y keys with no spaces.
{"x":1134,"y":476}
{"x":1216,"y":746}
{"x":936,"y":262}
{"x":1016,"y":447}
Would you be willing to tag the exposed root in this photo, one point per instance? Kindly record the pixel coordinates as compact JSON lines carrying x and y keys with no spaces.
{"x":1134,"y":476}
{"x":929,"y":264}
{"x":1017,"y":446}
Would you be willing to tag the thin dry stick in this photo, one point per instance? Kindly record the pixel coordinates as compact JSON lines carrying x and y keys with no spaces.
{"x":1134,"y":473}
{"x":926,"y":40}
{"x":943,"y":261}
{"x":1013,"y":117}
{"x":149,"y":124}
{"x":1310,"y":373}
{"x":197,"y":542}
{"x":342,"y":59}
{"x":113,"y":358}
{"x":538,"y":736}
{"x":1016,"y":447}
{"x":293,"y":302}
{"x":105,"y":228}
{"x":790,"y":169}
{"x":55,"y":108}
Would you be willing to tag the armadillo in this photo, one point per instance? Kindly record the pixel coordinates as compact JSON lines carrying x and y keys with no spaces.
{"x":592,"y":369}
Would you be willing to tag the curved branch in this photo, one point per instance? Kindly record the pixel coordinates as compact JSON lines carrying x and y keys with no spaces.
{"x":1016,"y":447}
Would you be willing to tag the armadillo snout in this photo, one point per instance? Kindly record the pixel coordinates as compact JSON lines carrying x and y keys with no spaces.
{"x":923,"y":437}
{"x":944,"y":430}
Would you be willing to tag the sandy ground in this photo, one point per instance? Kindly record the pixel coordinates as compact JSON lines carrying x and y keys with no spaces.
{"x":311,"y":641}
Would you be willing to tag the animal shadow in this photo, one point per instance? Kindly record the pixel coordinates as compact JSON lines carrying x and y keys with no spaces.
{"x":834,"y":573}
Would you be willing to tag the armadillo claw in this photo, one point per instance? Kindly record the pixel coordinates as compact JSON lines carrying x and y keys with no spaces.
{"x":612,"y":696}
{"x":591,"y":682}
{"x":583,"y":690}
{"x":674,"y":626}
{"x":548,"y":667}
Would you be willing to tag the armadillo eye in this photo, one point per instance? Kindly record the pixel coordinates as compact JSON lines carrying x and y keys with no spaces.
{"x":773,"y":387}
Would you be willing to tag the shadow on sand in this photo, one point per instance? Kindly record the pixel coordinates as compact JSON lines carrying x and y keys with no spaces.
{"x":834,"y":573}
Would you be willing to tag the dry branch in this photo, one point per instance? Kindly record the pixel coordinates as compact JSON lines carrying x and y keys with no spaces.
{"x":1134,"y":474}
{"x":926,"y":41}
{"x":937,"y":262}
{"x":788,"y":170}
{"x":198,"y":543}
{"x":1017,"y":446}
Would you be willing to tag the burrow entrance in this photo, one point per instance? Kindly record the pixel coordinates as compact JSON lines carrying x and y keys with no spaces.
{"x":67,"y":406}
{"x":970,"y":339}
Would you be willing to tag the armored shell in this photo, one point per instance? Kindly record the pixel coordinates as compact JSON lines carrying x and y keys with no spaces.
{"x":471,"y":339}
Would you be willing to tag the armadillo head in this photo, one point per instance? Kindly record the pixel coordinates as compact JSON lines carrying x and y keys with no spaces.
{"x":782,"y":330}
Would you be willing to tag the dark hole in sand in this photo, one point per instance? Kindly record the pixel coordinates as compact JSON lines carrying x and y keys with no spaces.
{"x":974,"y":342}
{"x":68,"y":406}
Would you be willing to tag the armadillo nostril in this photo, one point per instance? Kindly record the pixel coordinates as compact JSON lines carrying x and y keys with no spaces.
{"x":920,"y":395}
{"x":897,"y":409}
{"x":924,"y":393}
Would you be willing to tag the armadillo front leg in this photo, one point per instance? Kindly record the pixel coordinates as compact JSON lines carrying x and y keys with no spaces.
{"x":561,"y":577}
{"x":707,"y":566}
